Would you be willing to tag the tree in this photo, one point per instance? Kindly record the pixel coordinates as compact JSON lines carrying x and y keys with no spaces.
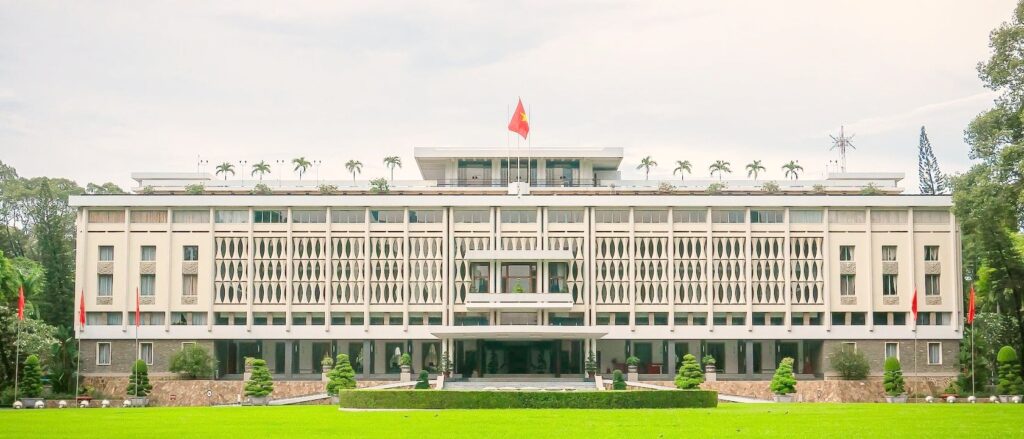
{"x":690,"y":375}
{"x":192,"y":361}
{"x":138,"y":381}
{"x":260,"y":382}
{"x":784,"y":382}
{"x":423,"y":382}
{"x":261,"y":167}
{"x":301,"y":165}
{"x":379,"y":186}
{"x":892,"y":380}
{"x":391,"y":161}
{"x":1010,"y":382}
{"x":107,"y":188}
{"x":682,"y":167}
{"x":721,"y":167}
{"x":63,"y":361}
{"x":36,"y":339}
{"x":225,"y":168}
{"x":646,"y":164}
{"x":931,"y":180}
{"x":849,"y":363}
{"x":354,"y":167}
{"x":32,"y":378}
{"x":755,"y":168}
{"x":53,"y":231}
{"x":792,"y":168}
{"x":342,"y":376}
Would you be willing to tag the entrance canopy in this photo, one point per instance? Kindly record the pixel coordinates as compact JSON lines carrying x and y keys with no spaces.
{"x":519,"y":332}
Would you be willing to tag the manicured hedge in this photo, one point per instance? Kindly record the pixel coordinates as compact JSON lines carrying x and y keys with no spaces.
{"x":440,"y":399}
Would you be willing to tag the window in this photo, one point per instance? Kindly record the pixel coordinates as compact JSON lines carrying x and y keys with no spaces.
{"x":103,"y":354}
{"x":931,"y":253}
{"x":114,"y":319}
{"x":889,"y":253}
{"x":474,"y":216}
{"x":424,"y":216}
{"x":149,"y":216}
{"x":931,"y":285}
{"x":858,"y":318}
{"x":846,"y":253}
{"x":105,"y":288}
{"x":849,"y":346}
{"x":690,"y":216}
{"x":190,"y":216}
{"x":889,"y":216}
{"x":846,"y":217}
{"x":190,"y":253}
{"x":106,"y":216}
{"x":899,"y":318}
{"x":348,"y":216}
{"x":847,"y":285}
{"x":231,"y":216}
{"x":934,"y":353}
{"x":147,"y":284}
{"x":805,"y":216}
{"x":146,"y":352}
{"x":278,"y":216}
{"x":727,"y":216}
{"x":518,"y":278}
{"x":317,"y":216}
{"x":931,"y":217}
{"x":767,"y":216}
{"x":387,"y":216}
{"x":564,"y":216}
{"x":189,"y":285}
{"x":106,"y":253}
{"x":889,"y":285}
{"x":148,"y":253}
{"x":481,"y":273}
{"x":838,"y":318}
{"x":650,"y":216}
{"x":880,"y":318}
{"x":892,"y":350}
{"x":606,"y":216}
{"x":518,"y":216}
{"x":557,"y":273}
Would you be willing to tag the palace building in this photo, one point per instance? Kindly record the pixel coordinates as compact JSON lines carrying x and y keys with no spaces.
{"x":519,"y":266}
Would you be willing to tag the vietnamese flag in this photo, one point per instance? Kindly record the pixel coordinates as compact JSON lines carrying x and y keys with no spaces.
{"x":136,"y":307}
{"x":21,"y":302}
{"x":913,"y":306}
{"x":970,"y":307}
{"x":520,"y":122}
{"x":81,"y":311}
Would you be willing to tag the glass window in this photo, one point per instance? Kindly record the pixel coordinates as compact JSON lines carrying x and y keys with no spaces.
{"x":767,"y":216}
{"x":889,"y":216}
{"x":690,"y":216}
{"x":231,"y":216}
{"x":847,"y":284}
{"x":727,"y":216}
{"x":643,"y":319}
{"x":106,"y":285}
{"x":699,"y":319}
{"x":557,"y":274}
{"x":646,"y":216}
{"x":190,"y":253}
{"x":518,"y":277}
{"x":518,"y":216}
{"x":148,"y":253}
{"x":191,"y":216}
{"x":606,"y":216}
{"x":858,"y":318}
{"x":931,"y":253}
{"x":934,"y":353}
{"x":604,"y":318}
{"x":471,"y":319}
{"x":424,"y":216}
{"x":892,"y":350}
{"x":149,"y":216}
{"x":880,"y":318}
{"x":846,"y":216}
{"x":276,"y":216}
{"x":309,"y":216}
{"x":473,"y":216}
{"x":146,"y":352}
{"x":114,"y":318}
{"x":103,"y":354}
{"x":565,"y":319}
{"x":931,"y":285}
{"x":889,"y":253}
{"x":889,"y":285}
{"x":106,"y":216}
{"x":562,"y":216}
{"x":805,"y":216}
{"x":147,"y":284}
{"x":846,"y":253}
{"x":899,"y":318}
{"x":189,"y":285}
{"x":106,"y":253}
{"x":838,"y":318}
{"x":387,"y":216}
{"x":481,"y":274}
{"x":348,"y":216}
{"x":474,"y":172}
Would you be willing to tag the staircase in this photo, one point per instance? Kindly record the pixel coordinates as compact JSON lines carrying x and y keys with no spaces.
{"x":535,"y":384}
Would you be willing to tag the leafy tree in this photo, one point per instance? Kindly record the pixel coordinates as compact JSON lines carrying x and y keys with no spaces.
{"x":784,"y":382}
{"x":37,"y":337}
{"x":225,"y":168}
{"x":618,"y":382}
{"x":342,"y":376}
{"x":261,"y":168}
{"x":192,"y":361}
{"x":138,"y":381}
{"x":646,"y":164}
{"x":32,"y":378}
{"x":792,"y":168}
{"x":63,"y":361}
{"x":682,"y":167}
{"x":107,"y":188}
{"x":754,"y":169}
{"x":301,"y":165}
{"x":931,"y":180}
{"x":260,"y":382}
{"x":721,"y":167}
{"x":391,"y":161}
{"x":690,"y":375}
{"x":770,"y":187}
{"x":262,"y":189}
{"x":1010,"y":382}
{"x":53,"y":231}
{"x":892,"y":380}
{"x":379,"y":186}
{"x":354,"y":167}
{"x":424,"y":381}
{"x":849,"y":363}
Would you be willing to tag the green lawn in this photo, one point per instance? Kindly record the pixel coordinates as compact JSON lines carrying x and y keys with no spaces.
{"x":728,"y":420}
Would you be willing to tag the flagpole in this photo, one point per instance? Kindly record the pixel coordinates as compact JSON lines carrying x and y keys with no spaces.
{"x":529,"y":151}
{"x":508,"y":149}
{"x":78,"y":368}
{"x":17,"y":353}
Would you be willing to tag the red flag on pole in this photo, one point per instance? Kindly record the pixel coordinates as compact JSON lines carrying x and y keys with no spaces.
{"x":81,"y":311}
{"x":21,"y":302}
{"x":520,"y":123}
{"x":136,"y":307}
{"x":913,"y":305}
{"x":970,"y":307}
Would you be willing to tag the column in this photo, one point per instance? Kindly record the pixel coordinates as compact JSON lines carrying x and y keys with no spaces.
{"x":367,"y":358}
{"x":749,"y":353}
{"x":671,"y":365}
{"x":288,"y":348}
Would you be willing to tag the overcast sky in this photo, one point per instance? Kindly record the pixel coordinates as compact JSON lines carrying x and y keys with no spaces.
{"x":96,"y":90}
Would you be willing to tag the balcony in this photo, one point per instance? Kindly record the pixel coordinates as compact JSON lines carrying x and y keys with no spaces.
{"x":518,"y":255}
{"x":489,"y":301}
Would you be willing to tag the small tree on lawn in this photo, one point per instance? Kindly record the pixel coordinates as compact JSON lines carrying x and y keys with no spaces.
{"x":850,"y":363}
{"x":138,"y":381}
{"x":424,"y":381}
{"x":192,"y":361}
{"x":342,"y":376}
{"x":618,"y":383}
{"x":260,"y":382}
{"x":32,"y":378}
{"x":893,"y":378}
{"x":1010,"y":382}
{"x":690,"y":375}
{"x":784,"y":383}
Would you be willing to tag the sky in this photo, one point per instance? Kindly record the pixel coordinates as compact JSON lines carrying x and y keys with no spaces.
{"x":94,"y":91}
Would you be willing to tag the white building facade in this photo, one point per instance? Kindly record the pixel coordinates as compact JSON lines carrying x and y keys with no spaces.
{"x":515,"y":266}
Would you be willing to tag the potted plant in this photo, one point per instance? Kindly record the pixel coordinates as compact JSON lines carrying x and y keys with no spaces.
{"x":632,"y":363}
{"x":783,"y":384}
{"x":518,"y":289}
{"x":590,"y":366}
{"x":1010,"y":383}
{"x":689,"y":376}
{"x":341,"y":377}
{"x":405,"y":362}
{"x":260,"y":384}
{"x":892,"y":381}
{"x":447,"y":365}
{"x":423,"y":383}
{"x":31,"y":382}
{"x":709,"y":364}
{"x":138,"y":384}
{"x":617,"y":382}
{"x":326,"y":363}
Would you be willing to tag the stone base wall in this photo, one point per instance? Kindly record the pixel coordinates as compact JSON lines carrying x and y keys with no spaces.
{"x":173,"y":392}
{"x":869,"y":390}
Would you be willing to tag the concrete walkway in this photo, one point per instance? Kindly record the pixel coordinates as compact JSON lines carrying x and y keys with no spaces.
{"x":721,"y":397}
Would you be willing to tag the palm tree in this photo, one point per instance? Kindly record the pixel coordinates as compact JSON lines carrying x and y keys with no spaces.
{"x":262,"y":167}
{"x":754,"y":169}
{"x":224,"y":168}
{"x":646,"y":164}
{"x":391,"y":161}
{"x":682,"y":167}
{"x":720,"y":166}
{"x":355,"y":167}
{"x":301,"y":165}
{"x":792,"y":168}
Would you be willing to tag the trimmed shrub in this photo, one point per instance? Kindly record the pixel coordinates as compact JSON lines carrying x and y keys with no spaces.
{"x":591,"y":364}
{"x":618,"y":383}
{"x":260,"y":382}
{"x":411,"y":399}
{"x":893,"y":378}
{"x":262,"y":189}
{"x":32,"y":378}
{"x":1010,"y":382}
{"x":138,"y":381}
{"x":405,"y":360}
{"x":690,"y":376}
{"x":708,"y":360}
{"x":783,"y":382}
{"x":192,"y":361}
{"x":342,"y":376}
{"x":632,"y":361}
{"x":849,"y":363}
{"x":194,"y":189}
{"x":424,"y":382}
{"x":379,"y":186}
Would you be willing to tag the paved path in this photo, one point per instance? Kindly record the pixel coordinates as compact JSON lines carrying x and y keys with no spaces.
{"x":721,"y":397}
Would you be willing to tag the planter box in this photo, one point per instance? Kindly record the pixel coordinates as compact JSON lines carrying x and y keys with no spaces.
{"x":784,"y":398}
{"x":259,"y":400}
{"x":1002,"y":398}
{"x":899,"y":399}
{"x":30,"y":403}
{"x":139,"y":402}
{"x":406,"y":374}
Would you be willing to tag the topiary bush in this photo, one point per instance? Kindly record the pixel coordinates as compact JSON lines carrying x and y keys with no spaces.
{"x":342,"y":376}
{"x":138,"y":381}
{"x":260,"y":382}
{"x":424,"y":382}
{"x":632,"y":361}
{"x":783,"y":382}
{"x":32,"y":378}
{"x":1010,"y":382}
{"x":690,"y":375}
{"x":850,"y":364}
{"x":405,"y":360}
{"x":892,"y":381}
{"x":618,"y":383}
{"x":192,"y":361}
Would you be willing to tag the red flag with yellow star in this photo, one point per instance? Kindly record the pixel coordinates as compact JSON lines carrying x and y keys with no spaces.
{"x":520,"y":122}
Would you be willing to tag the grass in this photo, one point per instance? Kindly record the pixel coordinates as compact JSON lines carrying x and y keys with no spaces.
{"x":728,"y":420}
